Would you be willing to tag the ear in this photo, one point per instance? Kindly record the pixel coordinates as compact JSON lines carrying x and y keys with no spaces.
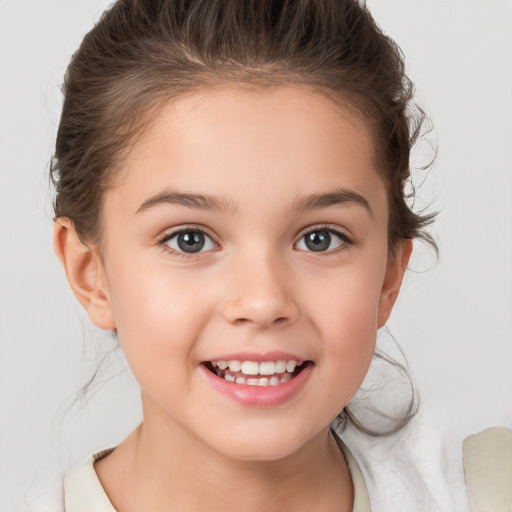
{"x":395,"y":269}
{"x":85,"y":273}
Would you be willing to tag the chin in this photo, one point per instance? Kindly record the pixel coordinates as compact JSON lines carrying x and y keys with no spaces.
{"x":265,"y":445}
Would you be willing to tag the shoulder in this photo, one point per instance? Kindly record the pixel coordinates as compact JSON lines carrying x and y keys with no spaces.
{"x":83,"y":491}
{"x":488,"y":469}
{"x":417,"y":468}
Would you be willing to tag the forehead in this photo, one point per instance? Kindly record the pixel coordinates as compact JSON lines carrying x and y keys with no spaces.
{"x":240,"y":142}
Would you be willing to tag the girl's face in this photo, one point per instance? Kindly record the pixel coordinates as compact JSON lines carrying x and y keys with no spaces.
{"x":249,"y":229}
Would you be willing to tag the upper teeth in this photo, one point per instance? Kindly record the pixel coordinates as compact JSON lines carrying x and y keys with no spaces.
{"x":255,"y":368}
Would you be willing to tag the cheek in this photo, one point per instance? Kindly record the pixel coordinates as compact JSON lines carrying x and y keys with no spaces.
{"x":350,"y":340}
{"x":349,"y":352}
{"x":347,"y":322}
{"x":348,"y":302}
{"x":158,"y":316}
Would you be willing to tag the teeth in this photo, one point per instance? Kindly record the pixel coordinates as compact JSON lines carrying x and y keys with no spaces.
{"x":290,"y":366}
{"x":280,"y":366}
{"x":234,"y":366}
{"x":267,"y":368}
{"x":266,"y":373}
{"x":263,"y":381}
{"x":264,"y":368}
{"x":249,"y":368}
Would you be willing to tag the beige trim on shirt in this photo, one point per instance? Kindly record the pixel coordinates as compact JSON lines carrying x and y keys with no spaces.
{"x":361,"y":498}
{"x":488,"y":470}
{"x":83,"y":491}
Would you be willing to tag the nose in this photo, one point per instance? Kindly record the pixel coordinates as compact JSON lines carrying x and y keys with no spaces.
{"x":260,"y":294}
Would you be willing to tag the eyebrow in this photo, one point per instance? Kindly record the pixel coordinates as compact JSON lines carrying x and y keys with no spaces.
{"x":216,"y":203}
{"x":337,"y":197}
{"x":190,"y":200}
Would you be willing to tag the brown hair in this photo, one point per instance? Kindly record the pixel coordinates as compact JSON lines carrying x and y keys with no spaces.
{"x":142,"y":53}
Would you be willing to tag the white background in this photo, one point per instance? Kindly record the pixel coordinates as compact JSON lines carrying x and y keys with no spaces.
{"x":453,"y":318}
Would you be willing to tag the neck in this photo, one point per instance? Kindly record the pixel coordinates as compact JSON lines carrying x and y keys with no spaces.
{"x":155,"y":467}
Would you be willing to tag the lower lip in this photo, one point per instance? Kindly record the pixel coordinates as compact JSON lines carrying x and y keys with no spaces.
{"x":259,"y":396}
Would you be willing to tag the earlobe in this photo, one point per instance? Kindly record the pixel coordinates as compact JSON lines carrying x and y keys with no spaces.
{"x":395,"y":270}
{"x":85,"y":273}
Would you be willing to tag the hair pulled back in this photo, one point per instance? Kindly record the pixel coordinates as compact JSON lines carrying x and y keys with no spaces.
{"x":144,"y":53}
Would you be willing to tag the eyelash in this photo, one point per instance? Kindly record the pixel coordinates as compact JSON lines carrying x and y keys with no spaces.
{"x":163,"y":242}
{"x":345,"y":239}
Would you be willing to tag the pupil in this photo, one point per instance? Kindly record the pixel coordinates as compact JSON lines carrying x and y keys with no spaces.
{"x":192,"y":241}
{"x":318,"y":241}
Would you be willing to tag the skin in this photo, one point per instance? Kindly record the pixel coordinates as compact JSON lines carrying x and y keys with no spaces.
{"x":255,"y":288}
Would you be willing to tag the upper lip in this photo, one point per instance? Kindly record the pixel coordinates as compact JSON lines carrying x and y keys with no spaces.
{"x":258,"y":357}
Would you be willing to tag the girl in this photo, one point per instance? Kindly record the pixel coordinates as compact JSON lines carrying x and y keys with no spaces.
{"x":231,"y":202}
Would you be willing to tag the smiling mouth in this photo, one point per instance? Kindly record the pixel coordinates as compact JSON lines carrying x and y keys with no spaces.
{"x":254,"y":373}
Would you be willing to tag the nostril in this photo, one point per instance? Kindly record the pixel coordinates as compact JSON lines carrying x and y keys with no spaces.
{"x":280,"y":321}
{"x":240,"y":321}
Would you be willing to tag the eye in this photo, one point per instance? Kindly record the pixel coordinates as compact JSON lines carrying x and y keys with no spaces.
{"x":189,"y":241}
{"x":321,"y":240}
